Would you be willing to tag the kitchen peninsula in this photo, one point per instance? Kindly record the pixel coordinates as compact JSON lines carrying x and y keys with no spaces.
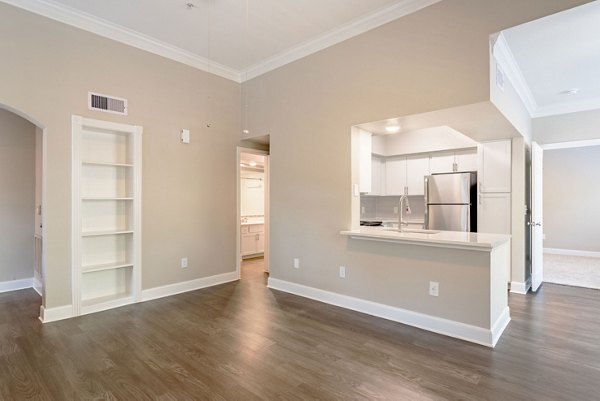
{"x":468,"y":271}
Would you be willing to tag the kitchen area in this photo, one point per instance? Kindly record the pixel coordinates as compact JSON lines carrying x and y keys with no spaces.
{"x":424,"y":170}
{"x":436,"y":204}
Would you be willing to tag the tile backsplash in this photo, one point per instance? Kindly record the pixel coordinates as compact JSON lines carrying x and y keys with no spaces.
{"x":382,"y":207}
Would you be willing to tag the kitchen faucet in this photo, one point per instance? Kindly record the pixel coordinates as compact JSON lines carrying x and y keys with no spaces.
{"x":401,"y":221}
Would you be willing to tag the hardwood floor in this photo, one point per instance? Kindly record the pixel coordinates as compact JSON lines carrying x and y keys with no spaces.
{"x":242,"y":341}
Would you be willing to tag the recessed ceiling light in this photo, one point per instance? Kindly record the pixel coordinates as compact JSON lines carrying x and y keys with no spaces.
{"x":246,"y":131}
{"x":392,"y":129}
{"x":252,"y":163}
{"x":568,"y":92}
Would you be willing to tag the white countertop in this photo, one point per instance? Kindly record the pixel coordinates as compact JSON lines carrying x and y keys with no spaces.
{"x":443,"y":239}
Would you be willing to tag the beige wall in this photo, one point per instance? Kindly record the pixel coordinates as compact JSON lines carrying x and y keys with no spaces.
{"x":17,"y":196}
{"x":579,"y":126}
{"x":571,"y":193}
{"x":189,"y":191}
{"x":433,"y":59}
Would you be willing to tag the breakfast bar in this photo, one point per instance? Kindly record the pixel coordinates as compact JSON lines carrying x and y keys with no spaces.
{"x":453,"y":283}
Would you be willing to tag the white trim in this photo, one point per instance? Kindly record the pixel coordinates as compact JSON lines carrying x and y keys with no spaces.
{"x":54,"y":314}
{"x":463,"y":331}
{"x":506,"y":59}
{"x":38,"y":284}
{"x":66,"y":312}
{"x":354,"y":28}
{"x":15,"y":285}
{"x":571,"y":252}
{"x":71,"y":16}
{"x":76,"y":128}
{"x":518,"y":287}
{"x":107,"y":29}
{"x":185,"y":286}
{"x":102,"y":306}
{"x":571,"y":144}
{"x":500,"y":325}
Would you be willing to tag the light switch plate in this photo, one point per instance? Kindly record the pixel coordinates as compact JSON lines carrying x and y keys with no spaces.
{"x":185,"y":136}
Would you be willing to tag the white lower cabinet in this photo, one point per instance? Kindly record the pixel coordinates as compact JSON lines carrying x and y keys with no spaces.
{"x":493,"y":213}
{"x":252,"y":239}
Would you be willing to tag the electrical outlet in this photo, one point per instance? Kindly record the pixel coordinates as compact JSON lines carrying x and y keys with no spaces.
{"x":395,"y":209}
{"x":296,"y":263}
{"x":342,"y":272}
{"x":362,"y":210}
{"x":434,"y":288}
{"x":184,"y":263}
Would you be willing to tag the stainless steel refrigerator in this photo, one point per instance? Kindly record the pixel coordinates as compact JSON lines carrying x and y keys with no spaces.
{"x":451,"y":202}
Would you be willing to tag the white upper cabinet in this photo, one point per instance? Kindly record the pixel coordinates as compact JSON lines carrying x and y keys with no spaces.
{"x":365,"y":147}
{"x":495,"y":166}
{"x":395,"y":175}
{"x":466,"y":160}
{"x":416,"y":170}
{"x":444,"y":162}
{"x":377,"y":176}
{"x":441,"y":162}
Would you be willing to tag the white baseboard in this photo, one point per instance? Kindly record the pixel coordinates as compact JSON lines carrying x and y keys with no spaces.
{"x":571,"y":252}
{"x":518,"y":287}
{"x":435,"y":324}
{"x":54,"y":314}
{"x":37,"y":284}
{"x":500,"y":325}
{"x":185,"y":286}
{"x":15,"y":285}
{"x":65,"y":312}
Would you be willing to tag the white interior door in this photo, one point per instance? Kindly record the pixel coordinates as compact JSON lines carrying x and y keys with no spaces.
{"x":537,"y":231}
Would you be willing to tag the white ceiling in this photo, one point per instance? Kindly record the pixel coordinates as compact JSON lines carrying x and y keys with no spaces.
{"x":237,"y":39}
{"x":555,"y":54}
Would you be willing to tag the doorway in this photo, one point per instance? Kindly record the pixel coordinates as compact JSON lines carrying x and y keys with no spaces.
{"x":253,"y":213}
{"x":571,"y":251}
{"x":22,"y":145}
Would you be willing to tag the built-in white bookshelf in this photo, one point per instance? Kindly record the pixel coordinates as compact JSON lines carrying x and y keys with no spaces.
{"x":106,"y":206}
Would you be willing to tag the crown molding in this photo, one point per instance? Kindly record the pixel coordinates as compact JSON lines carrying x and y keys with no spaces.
{"x":337,"y":35}
{"x":87,"y":22}
{"x":90,"y":23}
{"x":505,"y":57}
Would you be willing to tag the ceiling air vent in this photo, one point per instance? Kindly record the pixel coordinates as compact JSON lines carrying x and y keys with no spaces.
{"x":109,"y":104}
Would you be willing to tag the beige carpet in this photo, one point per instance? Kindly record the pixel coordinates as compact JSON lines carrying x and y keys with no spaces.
{"x":577,"y":271}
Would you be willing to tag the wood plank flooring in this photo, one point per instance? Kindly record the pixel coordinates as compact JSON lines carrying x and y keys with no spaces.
{"x":242,"y":341}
